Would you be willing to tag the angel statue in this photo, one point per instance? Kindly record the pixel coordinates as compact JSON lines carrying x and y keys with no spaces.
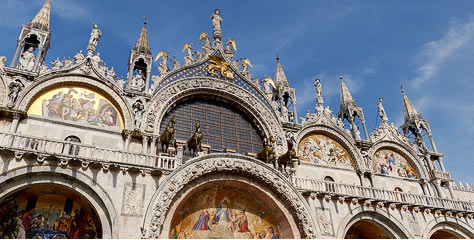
{"x":163,"y":66}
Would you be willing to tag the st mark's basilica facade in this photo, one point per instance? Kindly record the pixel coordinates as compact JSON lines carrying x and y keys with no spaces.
{"x":203,"y":150}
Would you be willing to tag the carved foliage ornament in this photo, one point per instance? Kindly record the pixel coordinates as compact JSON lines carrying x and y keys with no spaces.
{"x":238,"y":164}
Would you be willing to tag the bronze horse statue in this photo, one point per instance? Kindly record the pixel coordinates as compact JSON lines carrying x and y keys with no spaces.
{"x":194,"y":143}
{"x":167,"y":137}
{"x":268,"y":153}
{"x":285,"y":160}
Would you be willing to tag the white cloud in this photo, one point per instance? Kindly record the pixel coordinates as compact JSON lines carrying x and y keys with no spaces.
{"x":69,"y":10}
{"x":437,"y":52}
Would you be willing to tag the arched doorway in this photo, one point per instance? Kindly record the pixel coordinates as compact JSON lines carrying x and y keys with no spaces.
{"x":366,"y":229}
{"x":223,"y":209}
{"x":48,"y":211}
{"x":446,"y":234}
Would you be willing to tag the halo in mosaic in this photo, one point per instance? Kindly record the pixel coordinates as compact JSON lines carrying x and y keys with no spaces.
{"x":320,"y":149}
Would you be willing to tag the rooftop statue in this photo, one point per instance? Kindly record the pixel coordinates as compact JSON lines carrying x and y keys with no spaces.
{"x":319,"y":93}
{"x":216,"y":27}
{"x":94,"y":39}
{"x":138,"y":81}
{"x":27,"y":60}
{"x":163,"y":66}
{"x":381,"y":111}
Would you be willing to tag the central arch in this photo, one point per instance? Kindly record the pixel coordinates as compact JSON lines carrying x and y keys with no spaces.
{"x":180,"y":89}
{"x":269,"y":191}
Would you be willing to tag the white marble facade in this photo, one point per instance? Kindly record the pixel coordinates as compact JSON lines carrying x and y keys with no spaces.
{"x":78,"y":126}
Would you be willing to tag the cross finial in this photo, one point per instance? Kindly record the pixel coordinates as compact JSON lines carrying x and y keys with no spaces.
{"x":401,"y":89}
{"x":277,"y":57}
{"x":144,"y":22}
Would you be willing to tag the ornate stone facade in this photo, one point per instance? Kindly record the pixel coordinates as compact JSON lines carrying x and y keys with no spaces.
{"x":77,"y":127}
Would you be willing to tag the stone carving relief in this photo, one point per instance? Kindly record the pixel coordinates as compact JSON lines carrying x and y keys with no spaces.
{"x":14,"y":88}
{"x":247,"y":166}
{"x":132,"y":202}
{"x":3,"y":59}
{"x":324,"y":219}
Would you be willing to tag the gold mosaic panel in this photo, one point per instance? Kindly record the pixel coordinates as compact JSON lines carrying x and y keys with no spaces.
{"x":320,"y":149}
{"x":79,"y":105}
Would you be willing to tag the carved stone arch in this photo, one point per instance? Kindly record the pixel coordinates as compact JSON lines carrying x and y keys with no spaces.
{"x":408,"y":153}
{"x":380,"y":217}
{"x":255,"y":172}
{"x":3,"y":91}
{"x":49,"y":82}
{"x":19,"y":178}
{"x":163,"y":101}
{"x":458,"y":226}
{"x":338,"y":135}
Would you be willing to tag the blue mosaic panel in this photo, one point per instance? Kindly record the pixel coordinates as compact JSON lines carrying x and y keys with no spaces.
{"x":201,"y":71}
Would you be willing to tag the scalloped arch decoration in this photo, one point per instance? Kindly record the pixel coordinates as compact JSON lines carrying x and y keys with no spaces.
{"x":389,"y":162}
{"x":321,"y":149}
{"x":78,"y":105}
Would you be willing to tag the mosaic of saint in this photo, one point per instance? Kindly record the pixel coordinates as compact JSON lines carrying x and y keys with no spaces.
{"x":78,"y":105}
{"x":320,"y":149}
{"x":47,"y":211}
{"x":391,"y":163}
{"x":223,"y":212}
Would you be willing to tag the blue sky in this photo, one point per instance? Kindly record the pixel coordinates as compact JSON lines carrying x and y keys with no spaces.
{"x":426,"y":46}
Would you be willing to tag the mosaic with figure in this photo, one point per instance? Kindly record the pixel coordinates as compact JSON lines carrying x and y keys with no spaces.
{"x":47,"y":211}
{"x":391,"y":163}
{"x":223,"y":212}
{"x":320,"y":149}
{"x":79,"y":105}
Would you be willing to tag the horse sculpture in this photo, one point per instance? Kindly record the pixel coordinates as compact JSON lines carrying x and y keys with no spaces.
{"x":268,"y":153}
{"x":286,"y":159}
{"x":194,"y":143}
{"x":167,"y":137}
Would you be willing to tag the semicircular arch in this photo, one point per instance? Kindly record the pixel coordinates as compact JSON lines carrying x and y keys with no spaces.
{"x":381,"y":218}
{"x":449,"y":224}
{"x":3,"y":91}
{"x":158,"y":212}
{"x":337,"y":135}
{"x":164,"y":100}
{"x":23,"y":177}
{"x":408,"y":154}
{"x":35,"y":90}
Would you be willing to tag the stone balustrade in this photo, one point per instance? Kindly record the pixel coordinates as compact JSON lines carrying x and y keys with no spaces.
{"x":440,"y":174}
{"x":44,"y":147}
{"x":381,"y":195}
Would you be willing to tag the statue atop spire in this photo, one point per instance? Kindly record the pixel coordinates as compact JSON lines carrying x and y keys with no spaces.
{"x":381,"y":111}
{"x":216,"y":27}
{"x":93,"y":40}
{"x":319,"y":94}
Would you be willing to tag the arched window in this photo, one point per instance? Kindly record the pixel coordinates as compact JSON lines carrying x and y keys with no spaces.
{"x":329,"y":179}
{"x":223,"y":125}
{"x":71,"y":148}
{"x":329,"y":186}
{"x":399,"y":196}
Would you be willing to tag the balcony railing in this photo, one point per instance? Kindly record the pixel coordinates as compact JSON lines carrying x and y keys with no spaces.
{"x":380,"y":195}
{"x":440,"y":174}
{"x":73,"y":150}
